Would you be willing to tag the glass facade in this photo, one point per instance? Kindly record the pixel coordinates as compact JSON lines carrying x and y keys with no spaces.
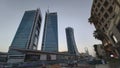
{"x":72,"y":49}
{"x":50,"y":35}
{"x":27,"y":34}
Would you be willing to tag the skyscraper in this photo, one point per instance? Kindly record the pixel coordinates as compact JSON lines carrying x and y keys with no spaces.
{"x":50,"y":35}
{"x":72,"y":48}
{"x":27,"y":35}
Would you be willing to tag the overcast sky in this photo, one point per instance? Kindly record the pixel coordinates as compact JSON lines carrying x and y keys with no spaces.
{"x":71,"y":13}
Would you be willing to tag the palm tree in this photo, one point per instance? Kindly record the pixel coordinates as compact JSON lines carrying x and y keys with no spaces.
{"x":93,"y":19}
{"x":98,"y":34}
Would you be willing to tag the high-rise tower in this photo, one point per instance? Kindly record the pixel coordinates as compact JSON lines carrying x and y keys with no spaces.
{"x":50,"y":35}
{"x":27,"y":35}
{"x":72,"y":48}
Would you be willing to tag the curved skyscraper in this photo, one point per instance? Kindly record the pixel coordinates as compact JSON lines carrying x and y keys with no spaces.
{"x":72,"y":48}
{"x":27,"y":35}
{"x":50,"y":35}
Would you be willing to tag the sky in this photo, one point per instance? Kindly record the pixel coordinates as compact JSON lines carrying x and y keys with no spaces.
{"x":71,"y":13}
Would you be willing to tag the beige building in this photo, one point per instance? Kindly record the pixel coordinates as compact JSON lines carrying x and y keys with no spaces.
{"x":105,"y":15}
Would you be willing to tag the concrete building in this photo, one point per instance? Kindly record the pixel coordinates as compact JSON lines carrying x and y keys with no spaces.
{"x":105,"y":15}
{"x":26,"y":37}
{"x":72,"y":48}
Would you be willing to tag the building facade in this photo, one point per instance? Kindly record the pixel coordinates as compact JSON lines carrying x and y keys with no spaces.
{"x":72,"y":48}
{"x":105,"y":15}
{"x":3,"y":57}
{"x":27,"y":35}
{"x":50,"y":35}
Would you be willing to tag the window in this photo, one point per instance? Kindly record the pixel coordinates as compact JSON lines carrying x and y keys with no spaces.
{"x":106,"y":3}
{"x":95,"y":1}
{"x":103,"y":29}
{"x":106,"y":26}
{"x":101,"y":0}
{"x":96,"y":9}
{"x":110,"y":9}
{"x":48,"y":57}
{"x":98,"y":14}
{"x":102,"y":9}
{"x":106,"y":15}
{"x":98,"y":4}
{"x":102,"y":19}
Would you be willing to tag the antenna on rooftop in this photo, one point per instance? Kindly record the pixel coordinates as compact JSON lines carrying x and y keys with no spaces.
{"x":48,"y":10}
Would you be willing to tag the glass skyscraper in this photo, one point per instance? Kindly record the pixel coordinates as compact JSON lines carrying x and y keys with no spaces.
{"x":27,"y":35}
{"x":72,"y":48}
{"x":50,"y":35}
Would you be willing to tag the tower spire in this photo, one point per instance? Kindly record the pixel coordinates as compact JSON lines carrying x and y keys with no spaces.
{"x":48,"y":10}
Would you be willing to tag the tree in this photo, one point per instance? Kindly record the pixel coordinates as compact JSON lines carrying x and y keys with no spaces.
{"x":98,"y":35}
{"x":93,"y":19}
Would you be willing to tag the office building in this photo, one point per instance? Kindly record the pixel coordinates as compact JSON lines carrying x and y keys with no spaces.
{"x":105,"y":16}
{"x":3,"y":57}
{"x":50,"y":35}
{"x":26,"y":37}
{"x":72,"y":48}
